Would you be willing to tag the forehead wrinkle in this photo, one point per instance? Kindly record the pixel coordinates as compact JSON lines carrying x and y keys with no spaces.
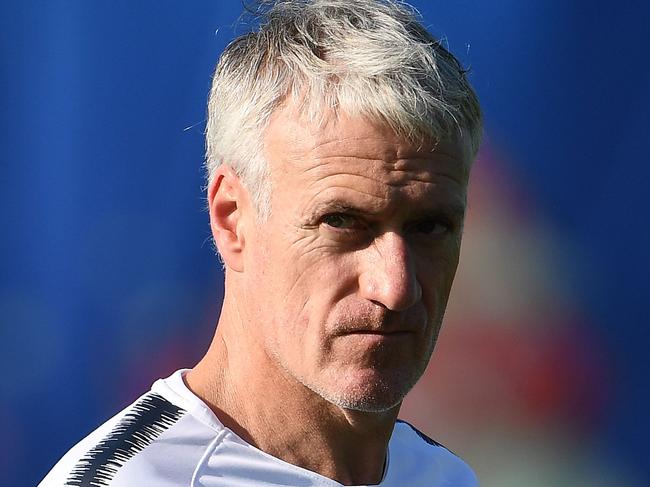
{"x":433,"y":165}
{"x":372,"y":202}
{"x":392,"y":150}
{"x":373,"y":195}
{"x":394,"y":177}
{"x":421,"y":167}
{"x":309,"y":154}
{"x":325,"y":178}
{"x":351,"y":145}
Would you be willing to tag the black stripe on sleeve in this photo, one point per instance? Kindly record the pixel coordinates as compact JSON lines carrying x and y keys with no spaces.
{"x":146,"y":421}
{"x":430,"y":441}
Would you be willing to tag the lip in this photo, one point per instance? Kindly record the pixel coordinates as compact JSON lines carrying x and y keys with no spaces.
{"x":381,"y":333}
{"x":374,"y":335}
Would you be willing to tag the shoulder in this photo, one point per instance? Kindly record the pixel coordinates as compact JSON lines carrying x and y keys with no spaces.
{"x":417,"y":459}
{"x":405,"y":428}
{"x":151,"y":439}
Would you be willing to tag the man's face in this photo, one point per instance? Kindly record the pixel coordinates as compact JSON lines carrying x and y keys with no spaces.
{"x":350,"y":274}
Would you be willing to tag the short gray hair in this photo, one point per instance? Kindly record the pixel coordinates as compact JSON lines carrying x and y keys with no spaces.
{"x":370,"y":58}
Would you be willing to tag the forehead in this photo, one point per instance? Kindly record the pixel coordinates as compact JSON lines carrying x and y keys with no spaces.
{"x":352,"y":155}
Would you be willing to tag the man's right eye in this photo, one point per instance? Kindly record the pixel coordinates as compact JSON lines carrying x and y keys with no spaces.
{"x":341,"y":221}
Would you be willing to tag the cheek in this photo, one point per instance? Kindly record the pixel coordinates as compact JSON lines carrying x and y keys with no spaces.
{"x":301,"y":285}
{"x":436,"y":274}
{"x":317,"y":305}
{"x":312,"y":268}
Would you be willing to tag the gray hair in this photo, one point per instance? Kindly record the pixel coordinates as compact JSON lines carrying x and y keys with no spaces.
{"x":370,"y":58}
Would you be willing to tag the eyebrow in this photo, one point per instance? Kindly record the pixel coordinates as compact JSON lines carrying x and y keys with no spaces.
{"x":335,"y":206}
{"x":455,"y":209}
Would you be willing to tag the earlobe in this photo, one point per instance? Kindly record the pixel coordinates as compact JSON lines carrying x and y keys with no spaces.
{"x":225,"y":199}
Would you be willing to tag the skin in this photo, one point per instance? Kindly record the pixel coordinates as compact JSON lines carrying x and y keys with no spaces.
{"x":333,"y":304}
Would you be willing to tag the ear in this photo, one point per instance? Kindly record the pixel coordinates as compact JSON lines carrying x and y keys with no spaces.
{"x":227,"y":197}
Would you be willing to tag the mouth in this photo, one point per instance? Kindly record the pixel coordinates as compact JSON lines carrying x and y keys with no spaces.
{"x":383,"y":327}
{"x":380,"y":336}
{"x":380,"y":333}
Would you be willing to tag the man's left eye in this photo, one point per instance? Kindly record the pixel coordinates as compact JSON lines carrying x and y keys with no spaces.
{"x":432,"y":227}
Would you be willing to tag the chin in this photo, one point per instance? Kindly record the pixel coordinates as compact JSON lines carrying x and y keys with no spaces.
{"x":368,"y":392}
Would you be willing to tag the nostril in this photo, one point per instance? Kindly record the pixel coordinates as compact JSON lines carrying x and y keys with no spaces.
{"x":396,"y":292}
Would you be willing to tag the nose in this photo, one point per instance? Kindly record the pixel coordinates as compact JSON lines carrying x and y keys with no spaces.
{"x":388,"y":276}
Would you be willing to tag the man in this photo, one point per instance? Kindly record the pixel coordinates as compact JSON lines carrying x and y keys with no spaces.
{"x":339,"y":142}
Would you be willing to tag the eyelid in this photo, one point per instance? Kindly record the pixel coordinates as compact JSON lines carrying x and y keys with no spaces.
{"x":450,"y":217}
{"x":356,"y":222}
{"x":449,"y":223}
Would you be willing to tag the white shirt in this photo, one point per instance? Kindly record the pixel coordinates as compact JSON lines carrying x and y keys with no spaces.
{"x":169,"y":437}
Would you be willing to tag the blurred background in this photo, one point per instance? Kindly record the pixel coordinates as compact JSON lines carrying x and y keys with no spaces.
{"x":108,"y":279}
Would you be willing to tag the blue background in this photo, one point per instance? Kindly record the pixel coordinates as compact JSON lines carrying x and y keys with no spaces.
{"x":107,"y":276}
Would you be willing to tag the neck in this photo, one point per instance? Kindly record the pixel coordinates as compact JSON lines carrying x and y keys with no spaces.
{"x":255,"y":398}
